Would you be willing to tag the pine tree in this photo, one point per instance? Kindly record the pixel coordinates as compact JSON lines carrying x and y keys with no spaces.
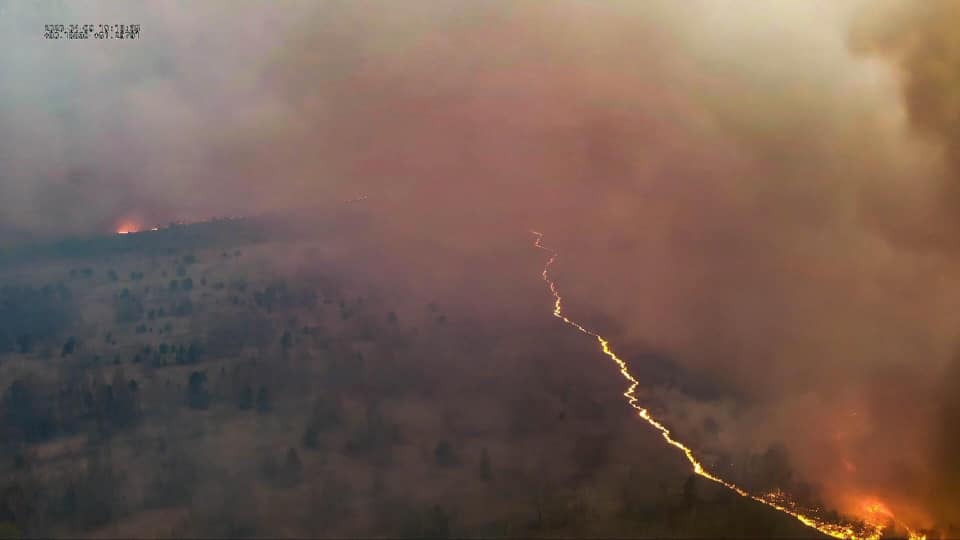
{"x":263,"y":400}
{"x":485,"y":474}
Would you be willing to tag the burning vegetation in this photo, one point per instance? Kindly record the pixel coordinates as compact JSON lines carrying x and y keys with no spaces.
{"x":871,"y":520}
{"x":757,"y":207}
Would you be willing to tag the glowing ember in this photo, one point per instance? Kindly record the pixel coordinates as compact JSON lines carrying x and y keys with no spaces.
{"x":877,"y":518}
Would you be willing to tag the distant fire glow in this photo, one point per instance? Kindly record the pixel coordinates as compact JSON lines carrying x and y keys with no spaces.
{"x":130,"y":226}
{"x":127,"y":227}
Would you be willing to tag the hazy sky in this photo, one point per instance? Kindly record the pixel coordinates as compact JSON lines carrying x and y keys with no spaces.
{"x":764,"y":190}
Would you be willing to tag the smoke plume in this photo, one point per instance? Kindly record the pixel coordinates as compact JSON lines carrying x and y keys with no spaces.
{"x":764,"y":192}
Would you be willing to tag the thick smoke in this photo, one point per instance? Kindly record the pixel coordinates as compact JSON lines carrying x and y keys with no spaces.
{"x":920,"y":40}
{"x":743,"y":188}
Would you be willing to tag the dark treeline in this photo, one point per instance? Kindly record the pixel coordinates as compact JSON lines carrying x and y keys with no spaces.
{"x":37,"y":412}
{"x":171,"y":238}
{"x":29,"y":316}
{"x":177,"y":237}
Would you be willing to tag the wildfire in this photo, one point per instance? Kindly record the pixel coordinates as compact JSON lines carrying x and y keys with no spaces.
{"x":127,"y":227}
{"x":878,"y":514}
{"x":877,"y":511}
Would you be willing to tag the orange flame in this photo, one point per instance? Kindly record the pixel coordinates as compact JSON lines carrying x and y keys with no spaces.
{"x":131,"y":226}
{"x":871,"y":529}
{"x":876,"y":510}
{"x":127,"y":226}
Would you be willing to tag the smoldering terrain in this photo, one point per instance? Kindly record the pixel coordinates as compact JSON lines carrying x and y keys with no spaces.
{"x":754,"y":202}
{"x":254,"y":380}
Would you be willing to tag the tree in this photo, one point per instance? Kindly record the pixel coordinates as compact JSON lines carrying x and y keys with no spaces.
{"x":374,"y":438}
{"x":311,"y":437}
{"x":771,"y":470}
{"x":27,"y":412}
{"x":590,"y":453}
{"x":95,"y":494}
{"x":330,"y":500}
{"x":127,"y":308}
{"x":485,"y":474}
{"x":327,"y":413}
{"x":68,"y":347}
{"x":29,"y":315}
{"x":16,"y":508}
{"x":191,"y":355}
{"x":184,"y":308}
{"x":175,"y":480}
{"x":291,"y":468}
{"x":444,"y":455}
{"x":438,"y":523}
{"x":245,"y":399}
{"x":198,"y":397}
{"x":24,"y":343}
{"x":263,"y":400}
{"x":9,"y":531}
{"x":7,"y":341}
{"x":690,"y":495}
{"x":123,"y":408}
